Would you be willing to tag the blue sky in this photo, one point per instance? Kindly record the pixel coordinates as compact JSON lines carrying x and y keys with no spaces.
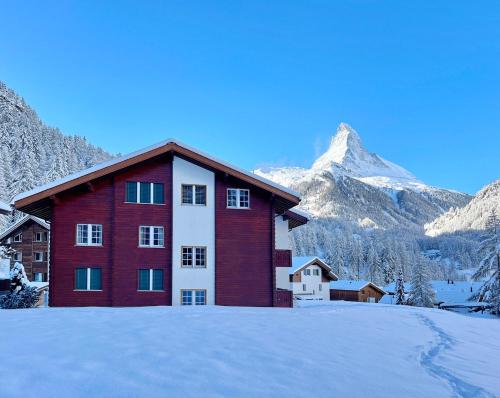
{"x":267,"y":83}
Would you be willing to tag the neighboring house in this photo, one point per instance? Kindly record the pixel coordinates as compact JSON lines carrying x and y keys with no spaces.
{"x":167,"y":225}
{"x":29,"y":238}
{"x":448,"y":294}
{"x":352,"y":290}
{"x":4,"y":208}
{"x":310,"y":278}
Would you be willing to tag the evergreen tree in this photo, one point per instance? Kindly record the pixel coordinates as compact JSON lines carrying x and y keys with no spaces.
{"x":421,"y":292}
{"x":489,"y":266}
{"x":399,"y":291}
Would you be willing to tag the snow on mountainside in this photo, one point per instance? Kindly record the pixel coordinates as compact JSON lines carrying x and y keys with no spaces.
{"x":471,"y":217}
{"x":349,"y":183}
{"x":32,"y":153}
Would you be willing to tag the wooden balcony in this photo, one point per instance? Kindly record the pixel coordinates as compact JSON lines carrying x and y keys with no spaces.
{"x":283,"y":258}
{"x":283,"y":298}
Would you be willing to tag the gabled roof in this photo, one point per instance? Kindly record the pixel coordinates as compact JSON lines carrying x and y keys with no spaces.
{"x":31,"y":201}
{"x":4,"y":208}
{"x":22,"y":221}
{"x":353,"y":285}
{"x":299,"y":263}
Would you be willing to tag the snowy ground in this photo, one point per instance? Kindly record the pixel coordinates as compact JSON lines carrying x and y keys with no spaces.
{"x":331,"y":350}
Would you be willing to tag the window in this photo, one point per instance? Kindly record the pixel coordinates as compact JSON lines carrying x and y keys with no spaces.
{"x":89,"y":234}
{"x":150,"y":279}
{"x":38,"y":237}
{"x":320,"y":287}
{"x":194,"y":195}
{"x":150,"y":236}
{"x":88,"y":279}
{"x":316,"y":272}
{"x":199,"y":296}
{"x":238,"y":198}
{"x":307,"y":272}
{"x":38,"y":277}
{"x":38,"y":256}
{"x":17,"y":256}
{"x":144,"y":193}
{"x":45,"y":236}
{"x":18,"y":238}
{"x":304,"y":287}
{"x":194,"y":257}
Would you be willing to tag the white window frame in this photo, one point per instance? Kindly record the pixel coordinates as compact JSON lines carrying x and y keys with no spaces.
{"x":20,"y":254}
{"x":89,"y":235}
{"x":20,"y":235}
{"x":193,"y":296}
{"x":193,"y":195}
{"x":238,"y":203}
{"x":151,"y":193}
{"x":88,"y":289}
{"x":36,"y":237}
{"x":34,"y":257}
{"x":35,"y":276}
{"x":320,"y":288}
{"x":304,"y":287}
{"x":151,"y":281}
{"x":151,"y":236}
{"x":316,"y":272}
{"x":193,"y":257}
{"x":307,"y":272}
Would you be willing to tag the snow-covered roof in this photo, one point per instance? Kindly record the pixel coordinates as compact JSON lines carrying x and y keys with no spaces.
{"x":4,"y":208}
{"x":116,"y":161}
{"x":23,"y":220}
{"x":39,"y":285}
{"x":300,"y":262}
{"x":352,"y":285}
{"x":456,"y":292}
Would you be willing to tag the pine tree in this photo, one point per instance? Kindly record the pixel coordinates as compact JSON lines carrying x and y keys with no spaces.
{"x":399,"y":291}
{"x":489,"y":266}
{"x":421,"y":292}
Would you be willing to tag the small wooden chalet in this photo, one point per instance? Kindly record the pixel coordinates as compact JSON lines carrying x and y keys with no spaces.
{"x":352,"y":290}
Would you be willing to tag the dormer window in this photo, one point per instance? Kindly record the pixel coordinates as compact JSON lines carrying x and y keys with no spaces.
{"x":238,"y":198}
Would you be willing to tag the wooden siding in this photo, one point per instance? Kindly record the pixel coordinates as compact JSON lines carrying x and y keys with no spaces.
{"x":283,"y":298}
{"x":360,"y":296}
{"x":119,"y":257}
{"x":243,"y":240}
{"x":283,"y":258}
{"x":28,"y":246}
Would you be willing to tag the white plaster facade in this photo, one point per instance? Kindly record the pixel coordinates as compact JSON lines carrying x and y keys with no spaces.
{"x":193,"y":225}
{"x":312,"y":283}
{"x":282,"y":239}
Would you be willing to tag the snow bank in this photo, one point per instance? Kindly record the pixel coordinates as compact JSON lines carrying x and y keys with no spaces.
{"x":321,"y":350}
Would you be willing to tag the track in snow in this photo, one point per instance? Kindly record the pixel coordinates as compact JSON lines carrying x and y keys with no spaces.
{"x":461,"y":388}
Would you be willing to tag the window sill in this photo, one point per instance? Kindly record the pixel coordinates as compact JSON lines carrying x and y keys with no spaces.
{"x":137,"y":203}
{"x":188,"y":267}
{"x":194,"y":204}
{"x":88,"y":245}
{"x":87,"y":290}
{"x":151,"y":247}
{"x":151,"y":291}
{"x":238,"y":208}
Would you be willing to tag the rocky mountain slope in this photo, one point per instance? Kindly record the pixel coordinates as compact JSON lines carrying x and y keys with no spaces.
{"x":470,"y":218}
{"x":350,"y":184}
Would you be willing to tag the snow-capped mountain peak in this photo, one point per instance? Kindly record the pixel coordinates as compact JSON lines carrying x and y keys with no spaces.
{"x":346,"y":150}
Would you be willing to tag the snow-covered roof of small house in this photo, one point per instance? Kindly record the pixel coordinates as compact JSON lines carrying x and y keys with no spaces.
{"x":449,"y":293}
{"x":19,"y":223}
{"x":353,"y":285}
{"x":4,"y":208}
{"x":26,"y":200}
{"x":301,"y":262}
